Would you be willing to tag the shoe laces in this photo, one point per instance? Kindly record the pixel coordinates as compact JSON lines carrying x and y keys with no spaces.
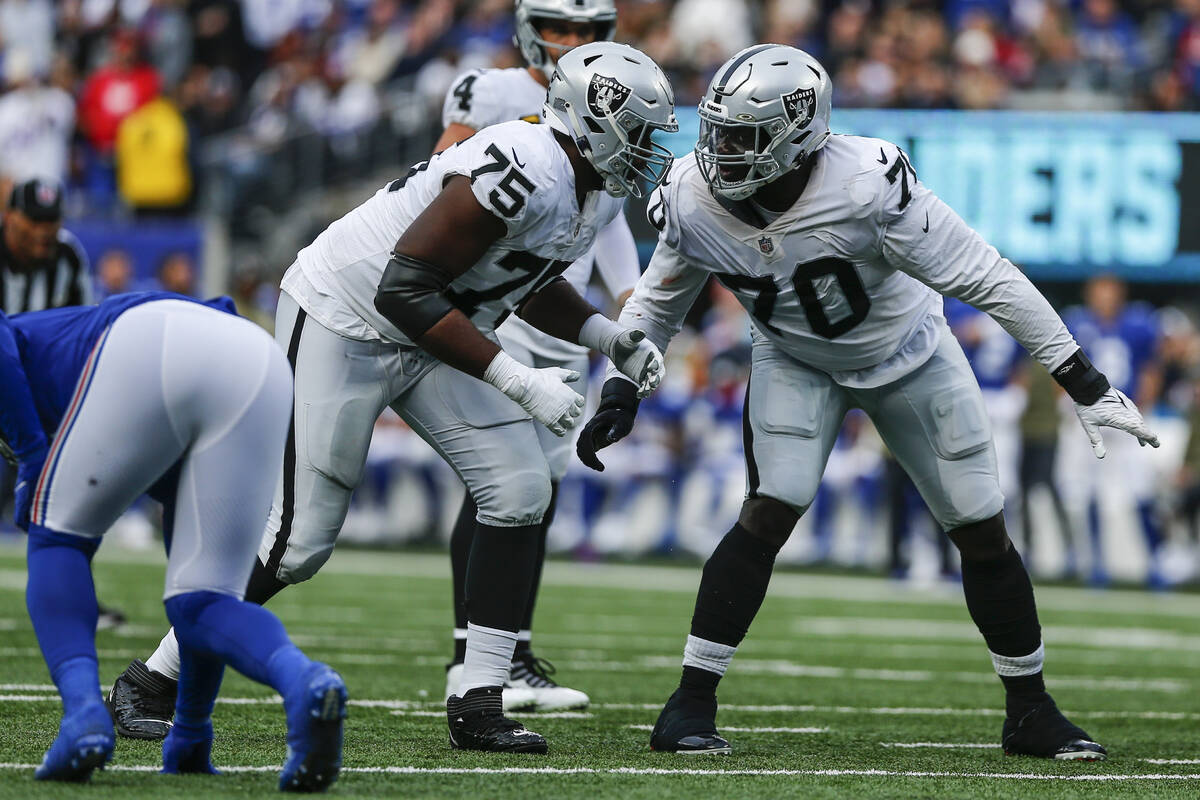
{"x":535,"y":671}
{"x":159,"y":706}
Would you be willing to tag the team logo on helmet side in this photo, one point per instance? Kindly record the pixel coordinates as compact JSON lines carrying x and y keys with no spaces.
{"x":766,"y":245}
{"x":801,"y":105}
{"x":606,"y":95}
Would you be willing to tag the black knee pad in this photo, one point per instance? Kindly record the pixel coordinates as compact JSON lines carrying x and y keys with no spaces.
{"x":983,"y":540}
{"x":768,"y":519}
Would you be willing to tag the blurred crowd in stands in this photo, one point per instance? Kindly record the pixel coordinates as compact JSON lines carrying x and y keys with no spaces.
{"x":154,"y":108}
{"x":117,"y":97}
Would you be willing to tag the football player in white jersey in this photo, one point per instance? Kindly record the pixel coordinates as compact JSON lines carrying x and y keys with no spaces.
{"x":396,"y":304}
{"x":840,"y":255}
{"x":545,"y":29}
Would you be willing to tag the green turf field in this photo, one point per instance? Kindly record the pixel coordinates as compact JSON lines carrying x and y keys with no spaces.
{"x":847,"y":687}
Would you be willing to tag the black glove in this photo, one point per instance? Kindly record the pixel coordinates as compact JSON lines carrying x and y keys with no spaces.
{"x":611,"y":423}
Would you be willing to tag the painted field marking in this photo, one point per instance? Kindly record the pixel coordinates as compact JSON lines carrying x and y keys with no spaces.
{"x":735,"y":729}
{"x":869,"y":773}
{"x":941,"y":745}
{"x":524,"y":714}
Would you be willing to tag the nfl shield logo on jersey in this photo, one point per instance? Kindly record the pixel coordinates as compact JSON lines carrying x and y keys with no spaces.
{"x":801,"y":105}
{"x":606,"y":95}
{"x":766,"y":245}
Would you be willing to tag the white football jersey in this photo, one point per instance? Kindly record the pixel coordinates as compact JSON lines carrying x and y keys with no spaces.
{"x":482,"y":98}
{"x":485,"y":97}
{"x":847,"y":280}
{"x":518,"y":172}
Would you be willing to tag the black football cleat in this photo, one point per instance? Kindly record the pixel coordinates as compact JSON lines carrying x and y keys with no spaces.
{"x":1044,"y":732}
{"x":688,"y":724}
{"x":477,"y":722}
{"x":142,"y":702}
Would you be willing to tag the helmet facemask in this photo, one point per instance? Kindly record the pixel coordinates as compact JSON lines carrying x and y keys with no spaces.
{"x":641,"y":161}
{"x":737,"y":157}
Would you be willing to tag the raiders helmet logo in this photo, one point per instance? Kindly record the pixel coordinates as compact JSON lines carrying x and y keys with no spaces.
{"x":46,"y":193}
{"x":606,"y":95}
{"x":801,"y":105}
{"x":766,"y":245}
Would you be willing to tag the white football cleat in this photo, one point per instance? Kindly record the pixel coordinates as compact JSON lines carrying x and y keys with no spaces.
{"x":532,"y":674}
{"x":516,"y":698}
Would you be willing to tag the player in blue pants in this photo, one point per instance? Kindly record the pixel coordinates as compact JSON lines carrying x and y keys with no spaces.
{"x":153,"y":392}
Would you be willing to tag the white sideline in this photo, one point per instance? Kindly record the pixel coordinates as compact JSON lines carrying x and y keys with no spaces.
{"x":868,"y":773}
{"x":735,"y":729}
{"x":942,"y":745}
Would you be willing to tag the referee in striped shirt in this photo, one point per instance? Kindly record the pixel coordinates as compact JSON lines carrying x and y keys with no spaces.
{"x":41,"y":264}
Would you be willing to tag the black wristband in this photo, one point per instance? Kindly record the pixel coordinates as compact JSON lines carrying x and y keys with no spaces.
{"x":619,"y":393}
{"x":1080,"y":379}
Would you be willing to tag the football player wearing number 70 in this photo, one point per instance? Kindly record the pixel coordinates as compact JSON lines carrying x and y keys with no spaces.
{"x":396,"y":304}
{"x":841,"y":257}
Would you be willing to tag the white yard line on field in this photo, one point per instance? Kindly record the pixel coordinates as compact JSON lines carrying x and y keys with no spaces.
{"x":619,"y":771}
{"x":523,"y":714}
{"x":1170,"y":760}
{"x":735,"y":729}
{"x":942,"y":745}
{"x":423,"y":705}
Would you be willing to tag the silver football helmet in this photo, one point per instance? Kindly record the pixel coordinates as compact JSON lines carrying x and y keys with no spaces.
{"x":610,"y":99}
{"x":602,"y":13}
{"x":765,"y":112}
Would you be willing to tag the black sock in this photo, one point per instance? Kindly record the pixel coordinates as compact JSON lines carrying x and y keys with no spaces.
{"x":732,"y":587}
{"x":699,"y":682}
{"x":499,"y":575}
{"x":1000,"y":599}
{"x":460,"y":553}
{"x":543,"y":529}
{"x":263,"y":585}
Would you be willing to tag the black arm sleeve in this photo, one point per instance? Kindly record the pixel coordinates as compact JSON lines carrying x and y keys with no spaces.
{"x":411,"y":295}
{"x":1083,"y":382}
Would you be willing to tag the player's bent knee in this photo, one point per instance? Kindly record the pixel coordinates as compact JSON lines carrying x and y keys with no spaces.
{"x":520,"y":498}
{"x":983,"y":540}
{"x":769,"y":519}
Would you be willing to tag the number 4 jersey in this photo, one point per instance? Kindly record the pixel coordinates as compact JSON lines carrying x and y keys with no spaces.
{"x":518,"y":172}
{"x":847,"y":280}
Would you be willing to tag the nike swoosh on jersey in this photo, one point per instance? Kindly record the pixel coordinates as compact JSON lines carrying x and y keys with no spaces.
{"x":882,"y":156}
{"x":517,"y":160}
{"x":926,"y":228}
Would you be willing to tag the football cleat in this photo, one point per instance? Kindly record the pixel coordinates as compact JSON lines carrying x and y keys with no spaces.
{"x":188,"y":752}
{"x":316,"y":710}
{"x":109,"y":618}
{"x":142,"y":702}
{"x":477,"y":722}
{"x":516,"y":698}
{"x":533,"y":674}
{"x":84,"y":744}
{"x":1043,"y":731}
{"x":688,"y":725}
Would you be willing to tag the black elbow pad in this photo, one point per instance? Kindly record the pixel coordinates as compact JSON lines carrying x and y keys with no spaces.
{"x":412,"y":295}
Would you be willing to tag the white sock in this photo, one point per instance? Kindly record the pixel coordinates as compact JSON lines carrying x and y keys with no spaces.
{"x":1016,"y":666}
{"x":165,"y":660}
{"x":706,"y":655}
{"x":489,"y":657}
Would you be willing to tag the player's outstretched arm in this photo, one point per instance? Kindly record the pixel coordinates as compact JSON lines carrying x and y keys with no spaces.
{"x":20,"y":427}
{"x":443,"y":242}
{"x":925,"y":238}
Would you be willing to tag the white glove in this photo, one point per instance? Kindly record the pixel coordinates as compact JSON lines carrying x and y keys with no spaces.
{"x":1113,"y":410}
{"x":544,"y":393}
{"x":630,"y":351}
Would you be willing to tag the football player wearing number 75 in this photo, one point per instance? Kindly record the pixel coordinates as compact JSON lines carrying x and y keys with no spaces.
{"x":396,"y":304}
{"x":841,"y":257}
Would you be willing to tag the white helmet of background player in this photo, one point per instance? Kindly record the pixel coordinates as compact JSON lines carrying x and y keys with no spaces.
{"x":765,"y":112}
{"x":610,"y":99}
{"x":601,"y":13}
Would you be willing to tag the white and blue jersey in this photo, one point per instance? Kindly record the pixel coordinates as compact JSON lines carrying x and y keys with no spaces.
{"x":994,"y":355}
{"x":47,"y":352}
{"x":1121,"y":348}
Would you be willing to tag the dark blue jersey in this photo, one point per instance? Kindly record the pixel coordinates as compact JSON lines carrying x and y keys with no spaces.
{"x":995,"y":357}
{"x":43,"y":353}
